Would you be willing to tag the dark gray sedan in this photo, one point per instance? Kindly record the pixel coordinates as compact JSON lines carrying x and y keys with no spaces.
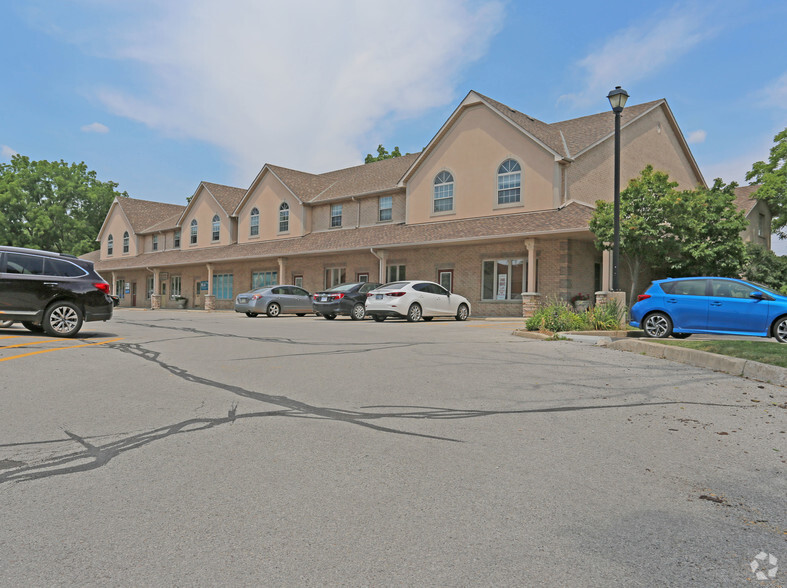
{"x":274,"y":300}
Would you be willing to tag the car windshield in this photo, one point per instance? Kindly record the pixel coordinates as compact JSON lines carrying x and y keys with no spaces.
{"x":766,"y":289}
{"x":342,"y":288}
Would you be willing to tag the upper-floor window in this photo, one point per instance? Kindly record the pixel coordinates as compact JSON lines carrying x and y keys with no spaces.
{"x":176,"y":240}
{"x":336,"y":215}
{"x":443,"y":192}
{"x":509,"y":181}
{"x":193,"y":240}
{"x":216,"y":227}
{"x":125,"y":242}
{"x":761,"y":226}
{"x":110,"y":245}
{"x":284,"y":217}
{"x":386,"y":208}
{"x":155,"y":242}
{"x":254,"y":222}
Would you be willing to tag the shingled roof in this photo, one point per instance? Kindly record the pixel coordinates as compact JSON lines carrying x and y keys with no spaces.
{"x":573,"y":218}
{"x":744,"y":198}
{"x":142,"y":214}
{"x":228,"y":197}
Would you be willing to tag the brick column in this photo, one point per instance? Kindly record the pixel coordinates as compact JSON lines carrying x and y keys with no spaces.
{"x":530,"y":302}
{"x":604,"y":296}
{"x":210,"y":302}
{"x":155,"y":301}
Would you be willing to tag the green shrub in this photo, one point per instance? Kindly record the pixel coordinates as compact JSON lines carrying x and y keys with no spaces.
{"x":556,"y":315}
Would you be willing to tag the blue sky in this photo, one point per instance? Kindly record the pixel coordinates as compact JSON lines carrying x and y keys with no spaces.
{"x":158,"y":96}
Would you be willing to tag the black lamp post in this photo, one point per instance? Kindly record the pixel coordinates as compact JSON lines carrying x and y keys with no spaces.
{"x":617,"y":99}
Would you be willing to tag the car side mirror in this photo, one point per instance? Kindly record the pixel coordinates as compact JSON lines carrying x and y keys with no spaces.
{"x":756,"y":295}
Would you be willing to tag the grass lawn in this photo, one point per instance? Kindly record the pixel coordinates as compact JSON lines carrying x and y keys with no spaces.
{"x":762,"y":351}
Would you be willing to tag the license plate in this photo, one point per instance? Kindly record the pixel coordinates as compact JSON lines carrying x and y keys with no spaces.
{"x":378,"y":296}
{"x":324,"y":299}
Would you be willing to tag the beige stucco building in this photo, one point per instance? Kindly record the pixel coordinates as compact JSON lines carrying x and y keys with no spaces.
{"x":495,"y":206}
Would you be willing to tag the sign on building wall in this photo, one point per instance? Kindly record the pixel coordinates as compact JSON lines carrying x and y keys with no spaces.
{"x":502,"y":286}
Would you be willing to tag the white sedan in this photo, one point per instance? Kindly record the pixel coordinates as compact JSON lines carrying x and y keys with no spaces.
{"x":415,"y":300}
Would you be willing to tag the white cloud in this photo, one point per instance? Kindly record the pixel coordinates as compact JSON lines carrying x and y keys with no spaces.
{"x":95,"y":127}
{"x":697,"y":136}
{"x":6,"y":152}
{"x":297,"y":84}
{"x":775,"y":94}
{"x":635,"y":53}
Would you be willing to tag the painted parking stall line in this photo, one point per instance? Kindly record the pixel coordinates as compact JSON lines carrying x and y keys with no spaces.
{"x":40,"y":351}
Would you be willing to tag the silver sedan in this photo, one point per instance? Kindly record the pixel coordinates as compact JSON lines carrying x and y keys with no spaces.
{"x":274,"y":300}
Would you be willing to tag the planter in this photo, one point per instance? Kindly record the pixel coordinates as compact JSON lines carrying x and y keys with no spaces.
{"x":581,"y":305}
{"x":181,"y":302}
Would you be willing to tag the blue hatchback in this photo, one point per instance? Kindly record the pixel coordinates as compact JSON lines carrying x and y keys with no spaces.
{"x":725,"y":306}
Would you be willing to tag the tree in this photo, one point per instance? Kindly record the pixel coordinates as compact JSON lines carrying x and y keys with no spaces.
{"x":772,"y":177}
{"x":674,"y":232}
{"x":52,"y":205}
{"x":382,"y":153}
{"x":765,"y":267}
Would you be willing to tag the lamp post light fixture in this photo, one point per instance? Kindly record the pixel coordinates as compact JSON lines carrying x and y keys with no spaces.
{"x":617,"y":99}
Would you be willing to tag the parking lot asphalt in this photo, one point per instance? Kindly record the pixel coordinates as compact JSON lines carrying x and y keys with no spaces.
{"x":193,"y":448}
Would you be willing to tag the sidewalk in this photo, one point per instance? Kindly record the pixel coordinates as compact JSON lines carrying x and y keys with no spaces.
{"x":631,"y":341}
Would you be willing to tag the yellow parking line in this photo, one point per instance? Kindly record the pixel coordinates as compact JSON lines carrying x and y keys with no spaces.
{"x":9,"y":336}
{"x":59,"y":349}
{"x":29,"y":343}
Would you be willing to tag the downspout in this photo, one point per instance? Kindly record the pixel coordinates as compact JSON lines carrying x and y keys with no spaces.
{"x":358,"y":218}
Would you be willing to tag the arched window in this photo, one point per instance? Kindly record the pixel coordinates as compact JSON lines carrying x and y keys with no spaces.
{"x":509,"y":182}
{"x":110,"y":245}
{"x":254,"y":222}
{"x":193,"y":240}
{"x":216,"y":227}
{"x":443,"y":192}
{"x":125,"y":242}
{"x":284,"y":217}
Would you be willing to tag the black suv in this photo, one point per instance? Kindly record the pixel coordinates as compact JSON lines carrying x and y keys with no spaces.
{"x":51,"y":292}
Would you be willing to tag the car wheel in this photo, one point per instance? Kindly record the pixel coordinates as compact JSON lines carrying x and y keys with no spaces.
{"x":414,"y":313}
{"x":274,"y":309}
{"x":462,"y":312}
{"x":681,"y":335}
{"x":377,"y":318}
{"x":62,"y":319}
{"x":33,"y":327}
{"x":428,"y":318}
{"x":251,"y":314}
{"x":358,"y":312}
{"x":5,"y":324}
{"x":657,"y":325}
{"x":780,"y":330}
{"x":329,"y":317}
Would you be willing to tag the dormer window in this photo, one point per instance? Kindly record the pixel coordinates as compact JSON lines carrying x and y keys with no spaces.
{"x":110,"y":245}
{"x":443,"y":192}
{"x":509,"y":181}
{"x":176,"y":239}
{"x":336,"y":215}
{"x":193,"y":232}
{"x":284,"y":217}
{"x":254,"y":222}
{"x":216,"y":227}
{"x":125,"y":242}
{"x":155,"y":242}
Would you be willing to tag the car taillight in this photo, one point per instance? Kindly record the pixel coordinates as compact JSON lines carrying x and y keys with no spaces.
{"x":314,"y":297}
{"x":337,"y":296}
{"x":256,"y":296}
{"x":369,"y":294}
{"x":103,"y":286}
{"x":396,"y":294}
{"x":642,"y":297}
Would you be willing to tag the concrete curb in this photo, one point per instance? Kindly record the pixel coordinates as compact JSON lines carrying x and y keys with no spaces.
{"x":735,"y":366}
